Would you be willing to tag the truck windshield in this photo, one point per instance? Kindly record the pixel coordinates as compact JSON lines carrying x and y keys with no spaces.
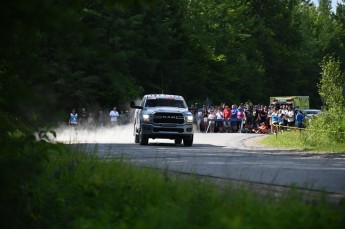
{"x":165,"y":103}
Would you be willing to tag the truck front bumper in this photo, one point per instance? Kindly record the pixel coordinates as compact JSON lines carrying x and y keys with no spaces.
{"x":167,"y":131}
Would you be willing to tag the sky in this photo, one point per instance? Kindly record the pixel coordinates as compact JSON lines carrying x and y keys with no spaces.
{"x":334,"y":3}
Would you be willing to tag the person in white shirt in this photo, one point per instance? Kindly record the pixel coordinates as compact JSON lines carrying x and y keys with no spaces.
{"x":114,"y":114}
{"x":290,"y":116}
{"x":211,"y":118}
{"x":219,"y":122}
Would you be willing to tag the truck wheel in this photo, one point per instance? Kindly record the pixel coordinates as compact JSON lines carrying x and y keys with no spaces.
{"x":188,"y":141}
{"x":136,"y":135}
{"x":178,"y":141}
{"x":136,"y":138}
{"x":143,"y":139}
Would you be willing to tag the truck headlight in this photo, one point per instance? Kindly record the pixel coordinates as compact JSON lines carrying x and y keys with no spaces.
{"x":189,"y":118}
{"x":146,"y":117}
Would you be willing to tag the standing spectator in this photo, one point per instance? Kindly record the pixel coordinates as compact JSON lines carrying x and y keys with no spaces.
{"x":290,"y":116}
{"x":205,"y":113}
{"x":299,"y":119}
{"x":233,"y":118}
{"x":199,"y":119}
{"x":255,"y":116}
{"x":227,"y":117}
{"x":211,"y":117}
{"x":263,"y":115}
{"x":280,"y":119}
{"x":114,"y":114}
{"x":90,"y":120}
{"x":219,"y":116}
{"x":100,"y":118}
{"x":274,"y":120}
{"x":239,"y":116}
{"x":284,"y":112}
{"x":73,"y":118}
{"x":270,"y":110}
{"x":126,"y":117}
{"x":248,"y":116}
{"x":83,"y":117}
{"x":121,"y":118}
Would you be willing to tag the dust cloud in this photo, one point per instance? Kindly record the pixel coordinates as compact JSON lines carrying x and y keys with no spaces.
{"x":117,"y":134}
{"x":123,"y":134}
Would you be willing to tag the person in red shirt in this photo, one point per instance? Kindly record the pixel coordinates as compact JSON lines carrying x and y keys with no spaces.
{"x":226,"y":115}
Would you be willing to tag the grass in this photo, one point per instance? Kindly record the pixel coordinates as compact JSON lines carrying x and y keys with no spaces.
{"x":297,"y":140}
{"x":85,"y":191}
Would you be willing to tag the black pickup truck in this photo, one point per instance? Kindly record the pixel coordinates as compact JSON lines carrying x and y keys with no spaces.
{"x":163,"y":116}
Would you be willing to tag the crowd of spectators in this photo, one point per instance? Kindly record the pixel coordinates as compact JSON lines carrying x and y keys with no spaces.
{"x":98,"y":119}
{"x":246,"y":118}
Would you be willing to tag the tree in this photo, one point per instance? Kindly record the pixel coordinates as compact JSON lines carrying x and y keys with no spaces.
{"x":330,"y":124}
{"x":331,"y":85}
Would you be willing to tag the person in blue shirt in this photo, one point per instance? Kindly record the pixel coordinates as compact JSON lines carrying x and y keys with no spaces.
{"x":73,"y":118}
{"x":234,"y":118}
{"x":274,"y":120}
{"x":299,"y":119}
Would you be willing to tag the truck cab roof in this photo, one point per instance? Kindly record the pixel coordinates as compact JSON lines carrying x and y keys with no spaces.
{"x":163,"y":96}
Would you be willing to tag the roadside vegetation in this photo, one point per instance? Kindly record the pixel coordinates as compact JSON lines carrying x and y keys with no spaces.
{"x":46,"y":185}
{"x":299,"y":141}
{"x":326,"y":132}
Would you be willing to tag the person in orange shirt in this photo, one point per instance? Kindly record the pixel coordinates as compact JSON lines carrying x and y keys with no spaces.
{"x":262,"y":129}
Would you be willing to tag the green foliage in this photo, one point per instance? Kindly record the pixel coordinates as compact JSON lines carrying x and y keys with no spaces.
{"x":60,"y":54}
{"x":308,"y":140}
{"x":330,"y":123}
{"x":331,"y":84}
{"x":22,"y":162}
{"x":82,"y":191}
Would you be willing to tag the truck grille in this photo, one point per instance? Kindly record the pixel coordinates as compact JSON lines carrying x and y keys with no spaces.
{"x":176,"y":130}
{"x":168,"y":118}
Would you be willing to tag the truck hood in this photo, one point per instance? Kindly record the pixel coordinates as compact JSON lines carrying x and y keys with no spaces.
{"x":152,"y":110}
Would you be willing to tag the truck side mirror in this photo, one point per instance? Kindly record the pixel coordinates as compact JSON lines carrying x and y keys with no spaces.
{"x":132,"y":105}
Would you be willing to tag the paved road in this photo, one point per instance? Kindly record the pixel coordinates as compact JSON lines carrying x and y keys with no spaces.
{"x":234,"y":156}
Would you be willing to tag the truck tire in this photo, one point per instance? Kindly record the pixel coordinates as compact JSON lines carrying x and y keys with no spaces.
{"x":188,"y":141}
{"x":136,"y":138}
{"x":143,"y":140}
{"x":178,"y":141}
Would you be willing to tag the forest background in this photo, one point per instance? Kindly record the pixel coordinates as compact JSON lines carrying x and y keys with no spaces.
{"x":59,"y":55}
